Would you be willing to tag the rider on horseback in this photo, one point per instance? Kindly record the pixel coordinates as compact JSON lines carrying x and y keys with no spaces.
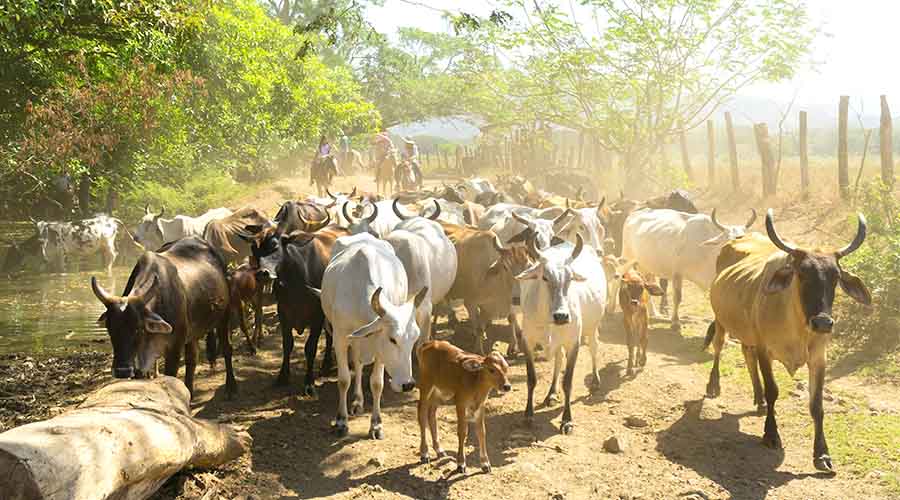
{"x":410,"y":156}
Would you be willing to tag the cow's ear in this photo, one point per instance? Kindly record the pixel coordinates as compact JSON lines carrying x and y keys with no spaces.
{"x":315,"y":291}
{"x":556,"y":240}
{"x":101,"y":321}
{"x":780,"y":280}
{"x":854,"y":287}
{"x":472,"y":365}
{"x":533,"y":272}
{"x":153,"y":323}
{"x":653,"y":289}
{"x":367,"y":330}
{"x":521,"y":237}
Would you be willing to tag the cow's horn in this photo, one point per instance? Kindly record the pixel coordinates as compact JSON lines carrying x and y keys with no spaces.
{"x":162,"y":210}
{"x":376,"y":303}
{"x":716,"y":222}
{"x":776,"y":240}
{"x":437,"y":211}
{"x":521,"y":219}
{"x":370,"y":219}
{"x":32,"y":219}
{"x":302,"y":218}
{"x":346,"y":213}
{"x":146,"y":292}
{"x":333,"y":197}
{"x":568,"y":205}
{"x":601,"y":204}
{"x":561,"y":217}
{"x":102,"y":295}
{"x":324,"y":222}
{"x":397,"y":212}
{"x":858,"y":240}
{"x":353,"y":193}
{"x":147,"y":209}
{"x":579,"y":246}
{"x":750,"y":222}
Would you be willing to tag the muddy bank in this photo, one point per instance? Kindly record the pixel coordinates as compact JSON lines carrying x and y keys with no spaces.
{"x":39,"y":386}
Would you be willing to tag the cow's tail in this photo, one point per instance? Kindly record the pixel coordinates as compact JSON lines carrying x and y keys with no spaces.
{"x":710,"y":335}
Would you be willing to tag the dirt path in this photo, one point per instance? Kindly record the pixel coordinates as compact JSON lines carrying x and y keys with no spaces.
{"x":690,"y":447}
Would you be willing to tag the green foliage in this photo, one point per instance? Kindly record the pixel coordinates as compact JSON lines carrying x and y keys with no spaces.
{"x":207,"y":189}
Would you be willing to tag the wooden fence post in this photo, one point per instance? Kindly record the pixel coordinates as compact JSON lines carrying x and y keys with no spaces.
{"x":711,"y":153}
{"x":685,"y":156}
{"x":732,"y":153}
{"x":804,"y":157}
{"x":761,"y":131}
{"x":843,"y":158}
{"x":886,"y":143}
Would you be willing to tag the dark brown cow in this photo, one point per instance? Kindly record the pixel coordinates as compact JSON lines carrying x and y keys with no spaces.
{"x":173,"y":298}
{"x":776,"y":299}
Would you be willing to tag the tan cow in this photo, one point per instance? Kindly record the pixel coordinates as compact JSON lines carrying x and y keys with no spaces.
{"x":485,"y":278}
{"x":776,"y":300}
{"x":446,"y":373}
{"x":634,"y":298}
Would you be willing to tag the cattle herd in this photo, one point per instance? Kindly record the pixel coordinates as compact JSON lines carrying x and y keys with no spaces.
{"x":373,"y":274}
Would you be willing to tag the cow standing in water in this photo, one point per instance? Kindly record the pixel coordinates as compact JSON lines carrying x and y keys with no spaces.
{"x":776,"y":299}
{"x":172,"y":299}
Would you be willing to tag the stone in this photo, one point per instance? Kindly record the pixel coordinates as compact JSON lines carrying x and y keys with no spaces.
{"x":615,"y":444}
{"x":636,"y":422}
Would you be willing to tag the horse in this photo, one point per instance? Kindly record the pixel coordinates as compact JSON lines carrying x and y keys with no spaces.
{"x":323,"y":170}
{"x":384,"y":172}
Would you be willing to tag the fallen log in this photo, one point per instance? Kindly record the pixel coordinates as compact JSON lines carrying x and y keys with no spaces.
{"x":123,"y":442}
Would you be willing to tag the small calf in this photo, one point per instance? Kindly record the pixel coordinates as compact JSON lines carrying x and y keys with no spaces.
{"x":634,"y":298}
{"x":245,"y":288}
{"x":447,"y":372}
{"x":611,"y":265}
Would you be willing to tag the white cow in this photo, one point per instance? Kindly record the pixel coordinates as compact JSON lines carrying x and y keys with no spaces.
{"x":429,"y":258}
{"x":364,"y":297}
{"x":60,"y":241}
{"x":153,"y":231}
{"x":515,"y":223}
{"x":470,"y":188}
{"x":677,"y":246}
{"x":563,"y":298}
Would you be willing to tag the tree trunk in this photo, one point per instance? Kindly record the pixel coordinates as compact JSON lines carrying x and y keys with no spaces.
{"x":843,"y":158}
{"x":685,"y":155}
{"x":732,"y":153}
{"x":84,"y":195}
{"x":761,"y":131}
{"x":886,"y":143}
{"x":123,"y":442}
{"x":804,"y":157}
{"x":710,"y":153}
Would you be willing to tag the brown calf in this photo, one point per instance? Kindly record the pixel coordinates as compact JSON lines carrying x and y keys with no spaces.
{"x":244,"y":288}
{"x":634,"y":298}
{"x":447,"y":372}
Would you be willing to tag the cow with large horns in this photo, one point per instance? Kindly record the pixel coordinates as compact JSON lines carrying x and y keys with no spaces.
{"x":776,"y":299}
{"x":677,"y":245}
{"x":172,"y":299}
{"x":563,"y":298}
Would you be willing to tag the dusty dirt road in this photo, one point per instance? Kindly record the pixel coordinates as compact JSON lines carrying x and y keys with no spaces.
{"x":683,"y":446}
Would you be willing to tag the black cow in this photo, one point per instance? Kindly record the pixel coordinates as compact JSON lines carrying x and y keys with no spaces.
{"x":299,"y":215}
{"x":296,"y":263}
{"x":172,"y":299}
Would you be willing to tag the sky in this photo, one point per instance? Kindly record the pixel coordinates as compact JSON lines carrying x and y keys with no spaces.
{"x":856,"y":56}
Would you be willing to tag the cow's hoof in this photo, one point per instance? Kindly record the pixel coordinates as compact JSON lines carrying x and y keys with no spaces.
{"x":772,"y":441}
{"x":231,"y":392}
{"x":551,"y":399}
{"x":511,"y":352}
{"x":460,"y":469}
{"x":376,"y":433}
{"x":629,"y":372}
{"x":309,"y":390}
{"x":595,"y":382}
{"x":529,"y":419}
{"x":486,"y":468}
{"x":341,"y":430}
{"x":676,"y":326}
{"x":642,"y":361}
{"x":823,"y":463}
{"x":283,"y":379}
{"x":440,"y":453}
{"x":760,"y":409}
{"x":356,"y":408}
{"x":713,"y":391}
{"x":424,"y":459}
{"x":567,"y":428}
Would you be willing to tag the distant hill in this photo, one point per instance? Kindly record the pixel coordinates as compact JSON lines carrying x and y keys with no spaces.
{"x":452,"y":129}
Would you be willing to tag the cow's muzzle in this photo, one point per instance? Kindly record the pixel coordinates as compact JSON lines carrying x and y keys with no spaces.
{"x":634,"y":302}
{"x":506,"y":387}
{"x":561,"y":318}
{"x":821,"y":323}
{"x":123,"y":372}
{"x":408,"y":386}
{"x":265,"y":275}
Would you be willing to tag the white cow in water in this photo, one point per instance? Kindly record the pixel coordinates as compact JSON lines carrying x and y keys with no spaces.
{"x":153,"y":231}
{"x":364,"y":296}
{"x":61,"y":241}
{"x":563,"y":298}
{"x":429,"y":258}
{"x":677,"y":246}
